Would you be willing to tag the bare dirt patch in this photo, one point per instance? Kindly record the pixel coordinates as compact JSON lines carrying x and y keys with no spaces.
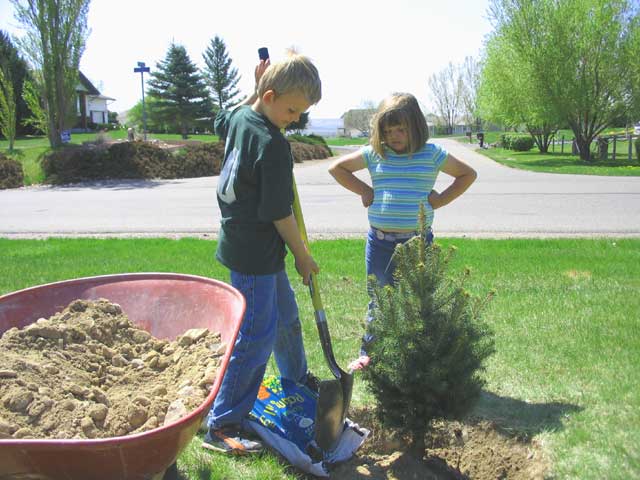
{"x":474,"y":449}
{"x":89,"y":372}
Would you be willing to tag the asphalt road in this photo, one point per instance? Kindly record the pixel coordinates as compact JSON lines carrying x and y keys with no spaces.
{"x":503,"y":202}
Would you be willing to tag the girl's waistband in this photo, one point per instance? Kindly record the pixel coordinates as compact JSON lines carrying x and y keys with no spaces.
{"x":392,"y":236}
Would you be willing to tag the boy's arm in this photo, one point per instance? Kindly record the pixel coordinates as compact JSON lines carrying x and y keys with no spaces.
{"x":259,"y":70}
{"x":463,"y":175}
{"x":288,"y":230}
{"x":342,"y":170}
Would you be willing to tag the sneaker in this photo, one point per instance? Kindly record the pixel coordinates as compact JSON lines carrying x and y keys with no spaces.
{"x":312,"y":382}
{"x":231,"y":440}
{"x":359,"y":363}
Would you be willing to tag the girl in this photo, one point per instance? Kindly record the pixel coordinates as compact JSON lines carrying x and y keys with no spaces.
{"x":403,"y":169}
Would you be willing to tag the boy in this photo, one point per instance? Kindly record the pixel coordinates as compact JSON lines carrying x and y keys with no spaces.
{"x":255,"y":196}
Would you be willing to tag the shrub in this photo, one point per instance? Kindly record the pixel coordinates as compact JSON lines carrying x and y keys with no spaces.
{"x":121,"y":160}
{"x":11,"y":173}
{"x":429,"y":343}
{"x":305,"y":151}
{"x":516,"y":141}
{"x":201,"y":159}
{"x":137,"y":159}
{"x":140,"y":160}
{"x":310,"y":139}
{"x":73,"y":163}
{"x":522,"y":143}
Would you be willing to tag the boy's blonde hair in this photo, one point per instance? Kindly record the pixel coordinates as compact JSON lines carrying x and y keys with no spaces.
{"x":296,"y":73}
{"x":399,"y":109}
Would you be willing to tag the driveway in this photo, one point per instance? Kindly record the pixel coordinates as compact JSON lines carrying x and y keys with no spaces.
{"x":503,"y":202}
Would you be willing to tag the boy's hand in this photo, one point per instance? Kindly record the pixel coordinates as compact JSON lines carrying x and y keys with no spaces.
{"x":367,"y":197}
{"x":305,"y":264}
{"x":260,"y":69}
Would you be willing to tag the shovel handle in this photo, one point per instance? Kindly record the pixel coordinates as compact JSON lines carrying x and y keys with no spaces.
{"x":297,"y":213}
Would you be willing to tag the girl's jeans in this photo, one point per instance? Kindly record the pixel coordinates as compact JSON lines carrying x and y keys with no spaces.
{"x":270,"y":323}
{"x":378,"y":253}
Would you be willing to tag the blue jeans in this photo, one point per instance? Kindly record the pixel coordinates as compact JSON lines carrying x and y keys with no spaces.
{"x":270,"y":324}
{"x":378,"y":255}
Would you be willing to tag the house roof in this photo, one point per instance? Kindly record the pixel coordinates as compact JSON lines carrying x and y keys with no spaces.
{"x":86,"y":85}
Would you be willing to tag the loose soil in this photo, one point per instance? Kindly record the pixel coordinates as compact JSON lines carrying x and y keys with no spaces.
{"x":89,"y":372}
{"x":474,"y":449}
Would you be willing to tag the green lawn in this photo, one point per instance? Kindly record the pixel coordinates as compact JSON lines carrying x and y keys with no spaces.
{"x":565,"y":316}
{"x":562,"y":162}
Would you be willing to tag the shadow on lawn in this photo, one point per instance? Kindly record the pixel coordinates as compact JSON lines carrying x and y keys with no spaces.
{"x":520,"y":418}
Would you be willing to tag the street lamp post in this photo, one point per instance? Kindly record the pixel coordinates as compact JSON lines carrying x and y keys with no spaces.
{"x":141,"y":68}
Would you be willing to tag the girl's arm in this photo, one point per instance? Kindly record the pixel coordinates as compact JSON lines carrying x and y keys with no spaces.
{"x":463,"y":175}
{"x":342,"y":170}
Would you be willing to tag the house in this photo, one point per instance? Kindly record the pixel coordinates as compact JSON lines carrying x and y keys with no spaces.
{"x":91,"y":105}
{"x":357,"y":122}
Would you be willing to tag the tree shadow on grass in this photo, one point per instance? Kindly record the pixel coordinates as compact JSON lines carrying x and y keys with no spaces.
{"x":521,"y":418}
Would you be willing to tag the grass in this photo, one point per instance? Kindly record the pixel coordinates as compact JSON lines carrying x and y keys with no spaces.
{"x":565,"y":317}
{"x":558,"y":162}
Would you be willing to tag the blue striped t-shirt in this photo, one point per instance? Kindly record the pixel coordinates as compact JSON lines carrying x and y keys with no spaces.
{"x":401,"y":182}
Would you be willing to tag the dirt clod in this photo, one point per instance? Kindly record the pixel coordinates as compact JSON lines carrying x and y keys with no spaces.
{"x":89,"y":372}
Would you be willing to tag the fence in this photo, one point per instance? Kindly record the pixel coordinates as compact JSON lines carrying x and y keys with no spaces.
{"x":602,"y":142}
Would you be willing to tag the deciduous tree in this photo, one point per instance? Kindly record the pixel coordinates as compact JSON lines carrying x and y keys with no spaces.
{"x":446,"y":92}
{"x":510,"y":95}
{"x":56,"y":33}
{"x":581,"y":56}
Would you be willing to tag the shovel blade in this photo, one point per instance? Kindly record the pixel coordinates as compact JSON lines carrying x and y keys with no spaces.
{"x":329,"y":411}
{"x":334,"y":397}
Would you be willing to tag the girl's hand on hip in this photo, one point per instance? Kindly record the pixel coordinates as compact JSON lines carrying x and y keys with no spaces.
{"x":434,"y":199}
{"x":367,"y":197}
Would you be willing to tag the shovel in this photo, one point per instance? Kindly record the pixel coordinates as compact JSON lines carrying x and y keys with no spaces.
{"x":334,"y":396}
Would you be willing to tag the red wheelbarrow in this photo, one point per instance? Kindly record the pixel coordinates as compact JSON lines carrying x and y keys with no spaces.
{"x":164,"y":304}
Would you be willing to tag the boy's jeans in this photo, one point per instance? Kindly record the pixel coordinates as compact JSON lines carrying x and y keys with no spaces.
{"x":270,"y":323}
{"x":378,"y":253}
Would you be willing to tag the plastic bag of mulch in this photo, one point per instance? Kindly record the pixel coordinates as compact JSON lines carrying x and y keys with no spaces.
{"x":284,"y":418}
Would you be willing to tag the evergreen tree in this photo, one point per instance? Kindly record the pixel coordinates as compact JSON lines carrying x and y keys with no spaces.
{"x":221,"y":78}
{"x":7,"y":108}
{"x":180,"y":92}
{"x":300,"y":125}
{"x":429,"y":344}
{"x":17,"y":69}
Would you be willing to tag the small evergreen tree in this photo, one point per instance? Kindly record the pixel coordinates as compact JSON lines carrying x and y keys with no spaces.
{"x":300,"y":125}
{"x":180,"y":93}
{"x":430,"y":343}
{"x":221,"y":78}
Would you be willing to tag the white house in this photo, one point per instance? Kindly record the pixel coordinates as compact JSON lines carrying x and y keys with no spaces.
{"x":91,"y":104}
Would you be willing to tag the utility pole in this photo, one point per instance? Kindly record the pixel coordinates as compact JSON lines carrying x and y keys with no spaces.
{"x":141,"y":68}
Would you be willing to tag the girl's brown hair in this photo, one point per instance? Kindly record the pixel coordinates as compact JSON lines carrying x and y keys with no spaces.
{"x":399,"y":109}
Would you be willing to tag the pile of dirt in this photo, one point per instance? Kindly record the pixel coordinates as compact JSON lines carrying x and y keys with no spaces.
{"x":475,"y":449}
{"x":89,"y":372}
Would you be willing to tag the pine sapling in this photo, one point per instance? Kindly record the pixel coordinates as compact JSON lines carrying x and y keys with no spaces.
{"x":430,"y":342}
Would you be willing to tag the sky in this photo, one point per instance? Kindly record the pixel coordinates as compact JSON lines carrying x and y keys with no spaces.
{"x":363,"y":49}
